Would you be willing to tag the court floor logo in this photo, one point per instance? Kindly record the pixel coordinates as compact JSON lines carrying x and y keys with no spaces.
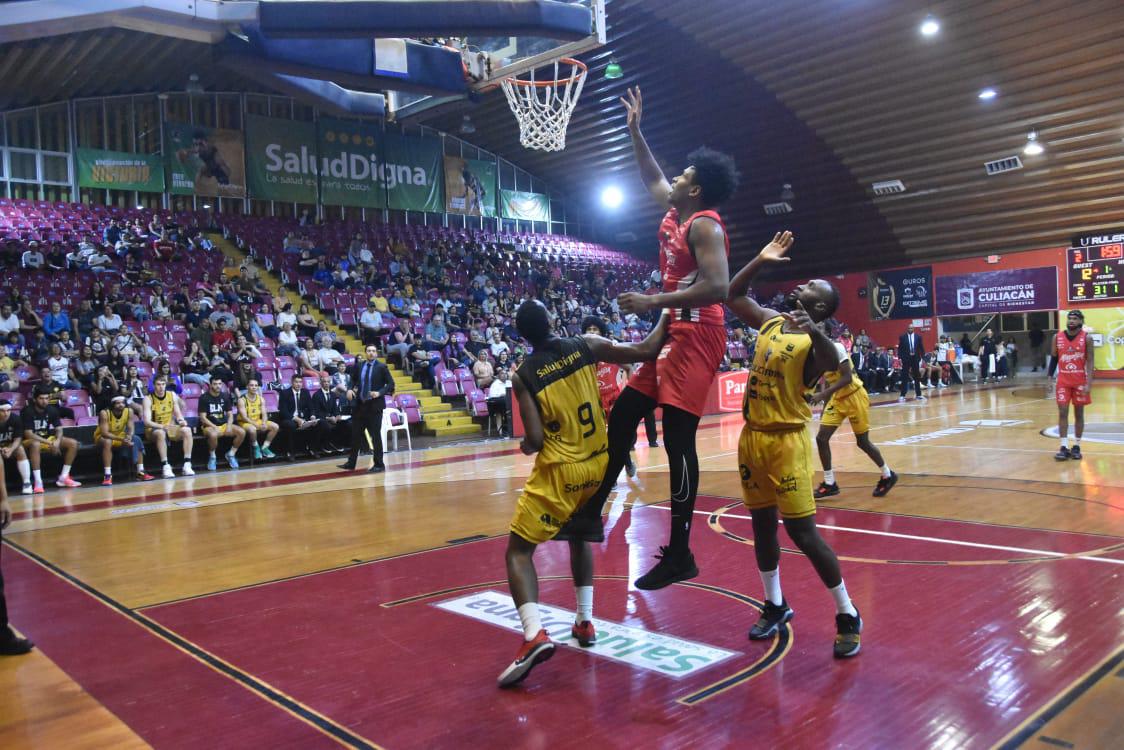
{"x":655,"y":652}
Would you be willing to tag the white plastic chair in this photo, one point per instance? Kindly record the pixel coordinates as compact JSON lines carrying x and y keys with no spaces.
{"x":388,"y":426}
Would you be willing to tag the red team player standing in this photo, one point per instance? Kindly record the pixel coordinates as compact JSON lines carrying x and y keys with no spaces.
{"x":1073,"y":355}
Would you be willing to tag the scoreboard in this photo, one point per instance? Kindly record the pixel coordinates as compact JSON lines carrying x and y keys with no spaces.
{"x":1096,"y":272}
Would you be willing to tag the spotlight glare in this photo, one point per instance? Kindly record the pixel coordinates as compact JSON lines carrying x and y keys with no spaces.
{"x":930,"y":26}
{"x":1032,"y":147}
{"x":612,"y":197}
{"x":988,"y":94}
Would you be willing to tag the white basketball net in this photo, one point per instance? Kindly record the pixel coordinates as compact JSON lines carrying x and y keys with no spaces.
{"x":543,"y":110}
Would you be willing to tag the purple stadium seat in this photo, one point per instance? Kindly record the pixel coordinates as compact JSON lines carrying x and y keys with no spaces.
{"x":190,"y":407}
{"x":270,"y":399}
{"x":85,"y":420}
{"x":285,"y":374}
{"x":408,"y":403}
{"x":286,"y":362}
{"x":192,"y":390}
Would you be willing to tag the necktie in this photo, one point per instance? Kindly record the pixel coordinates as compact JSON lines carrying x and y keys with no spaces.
{"x":911,"y":343}
{"x":366,"y":394}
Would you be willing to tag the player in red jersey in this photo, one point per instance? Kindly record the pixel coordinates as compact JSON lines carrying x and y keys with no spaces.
{"x":610,"y":379}
{"x":1073,"y":356}
{"x":696,"y":276}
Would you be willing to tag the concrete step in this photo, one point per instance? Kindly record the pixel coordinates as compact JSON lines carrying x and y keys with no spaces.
{"x":473,"y":429}
{"x":435,"y":421}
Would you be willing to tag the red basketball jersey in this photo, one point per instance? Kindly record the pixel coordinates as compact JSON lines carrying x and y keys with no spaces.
{"x":678,"y":266}
{"x":1071,"y":358}
{"x":608,"y":383}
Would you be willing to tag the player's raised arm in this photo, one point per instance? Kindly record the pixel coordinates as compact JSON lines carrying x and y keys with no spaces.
{"x":650,"y":171}
{"x":745,"y":307}
{"x":529,"y":413}
{"x":607,"y":350}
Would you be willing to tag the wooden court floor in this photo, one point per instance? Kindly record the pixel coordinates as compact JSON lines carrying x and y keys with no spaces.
{"x":300,"y":606}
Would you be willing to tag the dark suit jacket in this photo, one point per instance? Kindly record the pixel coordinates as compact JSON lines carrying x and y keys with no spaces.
{"x":903,"y":347}
{"x":326,"y":404}
{"x":289,"y":407}
{"x":381,"y":379}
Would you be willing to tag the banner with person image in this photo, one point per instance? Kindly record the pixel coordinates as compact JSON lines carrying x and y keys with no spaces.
{"x":204,"y":161}
{"x":516,"y":204}
{"x":470,"y":186}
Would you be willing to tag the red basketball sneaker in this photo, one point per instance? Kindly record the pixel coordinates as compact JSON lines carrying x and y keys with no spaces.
{"x":530,"y":653}
{"x":584,"y":633}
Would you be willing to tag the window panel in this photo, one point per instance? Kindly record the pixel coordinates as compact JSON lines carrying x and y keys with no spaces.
{"x":23,"y":165}
{"x":89,"y":124}
{"x":21,"y":129}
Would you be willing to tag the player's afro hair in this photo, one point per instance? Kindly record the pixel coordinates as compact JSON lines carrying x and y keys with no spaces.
{"x":532,"y":320}
{"x":716,"y":173}
{"x":596,"y":322}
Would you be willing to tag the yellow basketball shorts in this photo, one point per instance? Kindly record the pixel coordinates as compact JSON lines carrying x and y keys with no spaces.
{"x":776,"y":470}
{"x":551,"y":495}
{"x":854,"y":406}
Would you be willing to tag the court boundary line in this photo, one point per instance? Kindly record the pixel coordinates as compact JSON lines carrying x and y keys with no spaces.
{"x":1061,"y":701}
{"x":259,"y":687}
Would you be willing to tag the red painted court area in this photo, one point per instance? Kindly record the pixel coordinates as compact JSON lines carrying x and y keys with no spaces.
{"x":954,"y":655}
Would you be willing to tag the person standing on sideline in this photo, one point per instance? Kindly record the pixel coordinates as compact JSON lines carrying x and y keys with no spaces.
{"x":1073,"y":353}
{"x":694,"y":270}
{"x":564,"y":425}
{"x":910,"y":350}
{"x":10,"y":643}
{"x":846,"y":398}
{"x":371,"y":383}
{"x":774,"y":452}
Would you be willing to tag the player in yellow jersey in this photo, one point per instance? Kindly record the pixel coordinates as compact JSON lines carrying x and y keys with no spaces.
{"x":775,"y":452}
{"x":115,"y":433}
{"x":563,"y":422}
{"x":253,"y":417}
{"x":163,"y":421}
{"x":846,"y":398}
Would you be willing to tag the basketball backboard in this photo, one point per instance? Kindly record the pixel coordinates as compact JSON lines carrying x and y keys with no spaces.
{"x":488,"y":59}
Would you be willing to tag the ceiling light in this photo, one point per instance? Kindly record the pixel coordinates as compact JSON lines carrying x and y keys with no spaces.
{"x":613,"y":70}
{"x":930,"y":26}
{"x":988,"y":94}
{"x":612,"y":197}
{"x":467,"y":127}
{"x":1032,"y":147}
{"x":786,"y":192}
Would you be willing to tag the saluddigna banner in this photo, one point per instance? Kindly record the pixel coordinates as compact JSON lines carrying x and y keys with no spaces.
{"x":280,"y":159}
{"x":350,"y":164}
{"x":117,"y":170}
{"x":470,"y":187}
{"x":412,"y":171}
{"x":515,"y":204}
{"x":204,"y":161}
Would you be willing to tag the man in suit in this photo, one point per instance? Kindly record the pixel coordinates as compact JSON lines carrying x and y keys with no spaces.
{"x":326,"y":408}
{"x":298,"y":420}
{"x":910,"y":350}
{"x":370,"y":382}
{"x":862,"y":361}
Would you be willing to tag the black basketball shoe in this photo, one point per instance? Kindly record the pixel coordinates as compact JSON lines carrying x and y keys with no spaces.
{"x":671,"y":568}
{"x":772,"y":617}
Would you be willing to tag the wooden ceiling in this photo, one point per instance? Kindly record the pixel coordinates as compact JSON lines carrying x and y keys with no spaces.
{"x":827,"y":95}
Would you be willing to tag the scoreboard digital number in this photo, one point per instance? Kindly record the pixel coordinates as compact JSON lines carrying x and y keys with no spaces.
{"x":1096,"y":272}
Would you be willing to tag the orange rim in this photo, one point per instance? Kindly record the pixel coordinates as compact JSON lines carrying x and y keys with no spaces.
{"x":582,"y":70}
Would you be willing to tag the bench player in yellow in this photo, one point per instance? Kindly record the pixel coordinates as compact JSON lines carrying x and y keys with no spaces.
{"x":253,"y":418}
{"x":846,"y":399}
{"x":563,"y":423}
{"x":163,"y":421}
{"x":775,"y":452}
{"x":115,"y":433}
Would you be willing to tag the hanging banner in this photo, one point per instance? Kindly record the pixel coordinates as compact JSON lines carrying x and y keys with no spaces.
{"x":350,"y":164}
{"x":905,"y":293}
{"x":204,"y":161}
{"x":470,"y":187}
{"x":412,"y":171}
{"x":117,"y":170}
{"x":515,"y":204}
{"x":280,"y":159}
{"x":986,"y":292}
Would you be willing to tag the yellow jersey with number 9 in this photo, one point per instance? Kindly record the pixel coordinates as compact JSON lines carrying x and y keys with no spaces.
{"x":561,"y":375}
{"x":775,"y":394}
{"x":162,"y":408}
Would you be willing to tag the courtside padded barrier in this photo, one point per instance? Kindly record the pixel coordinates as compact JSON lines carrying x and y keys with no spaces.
{"x":394,"y":18}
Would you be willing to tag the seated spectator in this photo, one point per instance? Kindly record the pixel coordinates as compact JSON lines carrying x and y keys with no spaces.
{"x":58,"y":369}
{"x":11,"y":253}
{"x":115,"y":434}
{"x":326,"y":339}
{"x":220,"y":366}
{"x":498,"y":345}
{"x":397,"y":304}
{"x":436,"y":336}
{"x":244,"y":373}
{"x":30,"y":321}
{"x":164,"y":421}
{"x":56,"y":321}
{"x":163,"y":368}
{"x":327,"y":408}
{"x":223,"y":337}
{"x":222,"y":312}
{"x":306,"y":324}
{"x":482,"y":371}
{"x":329,"y":358}
{"x":78,"y":259}
{"x":287,"y":342}
{"x":159,"y":304}
{"x":195,"y":365}
{"x":56,"y":258}
{"x":99,"y":261}
{"x":497,"y":400}
{"x":243,"y":350}
{"x":42,"y":433}
{"x":401,"y":339}
{"x":371,"y":325}
{"x":109,"y":321}
{"x":10,"y":323}
{"x":39,"y":348}
{"x":310,"y":359}
{"x":32,"y":257}
{"x":216,"y":420}
{"x":103,"y":386}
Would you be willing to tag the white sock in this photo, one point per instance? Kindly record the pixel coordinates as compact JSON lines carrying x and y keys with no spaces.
{"x":212,"y":454}
{"x":585,"y":603}
{"x":1076,"y":442}
{"x":265,"y":445}
{"x":38,"y":476}
{"x":532,"y":623}
{"x":842,"y":601}
{"x":885,"y":469}
{"x":186,"y":464}
{"x":65,"y":471}
{"x":772,"y":581}
{"x":25,"y":470}
{"x":829,"y":476}
{"x":1065,"y":442}
{"x":140,"y":467}
{"x":108,"y":471}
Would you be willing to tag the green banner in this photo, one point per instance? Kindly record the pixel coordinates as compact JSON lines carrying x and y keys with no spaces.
{"x":280,"y":159}
{"x":117,"y":170}
{"x":515,"y":204}
{"x":470,"y":187}
{"x":412,"y":170}
{"x":350,"y":157}
{"x":204,"y":161}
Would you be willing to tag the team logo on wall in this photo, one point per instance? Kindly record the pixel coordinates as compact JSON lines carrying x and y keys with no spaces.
{"x":901,"y":294}
{"x":965,"y":298}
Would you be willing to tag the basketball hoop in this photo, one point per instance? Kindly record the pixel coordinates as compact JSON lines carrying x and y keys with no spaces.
{"x":543,"y":108}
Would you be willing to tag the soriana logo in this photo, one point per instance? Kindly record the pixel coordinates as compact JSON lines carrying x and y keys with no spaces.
{"x":731,"y":390}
